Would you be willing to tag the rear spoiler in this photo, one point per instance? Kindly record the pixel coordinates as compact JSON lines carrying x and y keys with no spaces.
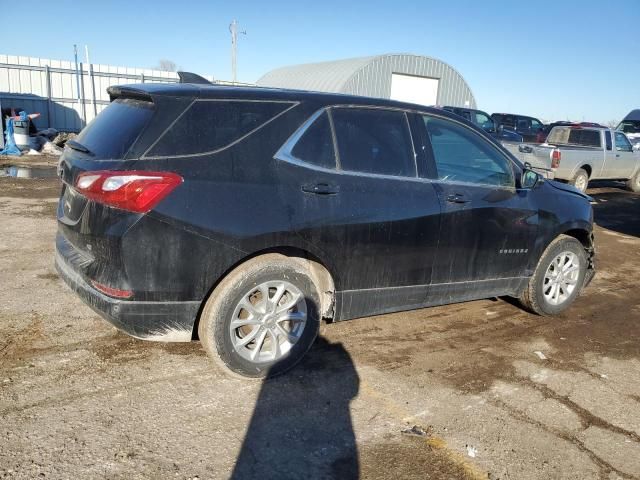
{"x":128,"y":92}
{"x":188,"y":77}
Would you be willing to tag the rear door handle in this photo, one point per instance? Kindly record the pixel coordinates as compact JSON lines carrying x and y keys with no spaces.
{"x":457,"y":198}
{"x":321,"y":188}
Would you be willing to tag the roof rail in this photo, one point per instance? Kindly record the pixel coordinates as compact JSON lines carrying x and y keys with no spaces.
{"x":188,"y":77}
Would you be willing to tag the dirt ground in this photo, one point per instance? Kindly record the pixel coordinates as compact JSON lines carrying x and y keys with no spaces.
{"x":475,"y":390}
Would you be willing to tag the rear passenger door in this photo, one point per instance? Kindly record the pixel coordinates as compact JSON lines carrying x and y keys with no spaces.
{"x":355,"y":198}
{"x":487,"y":225}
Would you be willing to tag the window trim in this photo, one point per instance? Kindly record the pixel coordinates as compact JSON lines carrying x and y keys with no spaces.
{"x":146,"y":155}
{"x":284,"y":152}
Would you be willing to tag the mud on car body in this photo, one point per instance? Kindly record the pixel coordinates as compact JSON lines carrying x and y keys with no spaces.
{"x":242,"y":217}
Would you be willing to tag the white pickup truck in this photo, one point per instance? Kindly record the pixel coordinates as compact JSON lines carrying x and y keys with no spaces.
{"x":578,"y":154}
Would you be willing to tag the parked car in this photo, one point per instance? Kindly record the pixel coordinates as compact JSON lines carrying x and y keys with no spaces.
{"x":578,"y":154}
{"x":544,"y":132}
{"x":528,"y":127}
{"x":244,"y":216}
{"x":630,"y":125}
{"x":485,"y":122}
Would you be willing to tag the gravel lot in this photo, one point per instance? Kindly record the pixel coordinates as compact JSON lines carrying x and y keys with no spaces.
{"x":80,"y":400}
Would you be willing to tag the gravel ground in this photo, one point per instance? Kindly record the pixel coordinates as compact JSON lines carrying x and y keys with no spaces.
{"x":474,"y":390}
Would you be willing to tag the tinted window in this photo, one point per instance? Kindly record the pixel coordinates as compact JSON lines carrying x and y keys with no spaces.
{"x":574,"y":136}
{"x":524,"y":125}
{"x":316,"y":144}
{"x":463,"y":156}
{"x":535,"y":124}
{"x":623,"y":143}
{"x":113,"y":131}
{"x":509,"y":121}
{"x":211,"y":125}
{"x":607,"y":137}
{"x":629,"y":126}
{"x":374,"y":141}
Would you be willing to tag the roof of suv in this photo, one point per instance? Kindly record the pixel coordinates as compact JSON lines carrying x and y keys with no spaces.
{"x":259,"y":93}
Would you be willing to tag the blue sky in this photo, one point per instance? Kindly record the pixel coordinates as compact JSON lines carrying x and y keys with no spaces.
{"x":551,"y":59}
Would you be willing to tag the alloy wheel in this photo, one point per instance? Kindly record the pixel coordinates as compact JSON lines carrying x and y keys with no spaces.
{"x":268,"y":321}
{"x":561,"y":278}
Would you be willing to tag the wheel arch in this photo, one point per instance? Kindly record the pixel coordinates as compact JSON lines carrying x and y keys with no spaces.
{"x":584,"y":236}
{"x":319,"y":272}
{"x":587,"y":168}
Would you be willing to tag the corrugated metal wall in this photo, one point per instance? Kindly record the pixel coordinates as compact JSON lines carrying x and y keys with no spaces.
{"x":371,"y":77}
{"x":374,"y":79}
{"x":50,"y":88}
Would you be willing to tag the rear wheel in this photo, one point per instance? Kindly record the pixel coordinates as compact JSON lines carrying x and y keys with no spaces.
{"x":633,"y":183}
{"x":558,"y":278}
{"x":580,"y":180}
{"x":262,"y":318}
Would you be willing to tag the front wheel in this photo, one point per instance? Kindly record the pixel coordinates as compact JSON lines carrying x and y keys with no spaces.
{"x":262,"y":318}
{"x":633,"y":183}
{"x":558,"y":278}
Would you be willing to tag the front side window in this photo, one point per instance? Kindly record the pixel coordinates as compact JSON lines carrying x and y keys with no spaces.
{"x":463,"y":156}
{"x":622,"y":143}
{"x":535,"y":124}
{"x":374,"y":141}
{"x":483,"y":121}
{"x":210,"y":125}
{"x":316,"y":144}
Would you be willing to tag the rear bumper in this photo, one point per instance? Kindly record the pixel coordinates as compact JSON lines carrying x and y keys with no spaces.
{"x":159,"y":321}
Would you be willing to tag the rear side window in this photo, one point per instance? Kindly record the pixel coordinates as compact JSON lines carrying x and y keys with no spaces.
{"x":316,"y":144}
{"x":112,"y":133}
{"x":210,"y":125}
{"x":374,"y":141}
{"x":463,"y":156}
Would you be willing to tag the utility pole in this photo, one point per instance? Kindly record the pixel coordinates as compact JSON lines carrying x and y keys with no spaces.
{"x":75,"y":56}
{"x":233,"y":28}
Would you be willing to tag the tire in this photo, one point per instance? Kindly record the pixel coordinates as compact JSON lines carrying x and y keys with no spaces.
{"x":538,"y":295}
{"x":580,"y":180}
{"x":633,"y":183}
{"x":240,"y":297}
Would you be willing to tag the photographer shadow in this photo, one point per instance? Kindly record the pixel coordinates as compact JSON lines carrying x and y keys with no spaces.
{"x":301,"y":424}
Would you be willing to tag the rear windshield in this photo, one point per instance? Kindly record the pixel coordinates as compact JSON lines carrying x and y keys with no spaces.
{"x":210,"y":125}
{"x":112,"y":133}
{"x":574,"y":136}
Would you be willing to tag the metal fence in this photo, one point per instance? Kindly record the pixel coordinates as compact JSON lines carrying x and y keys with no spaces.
{"x":65,"y":98}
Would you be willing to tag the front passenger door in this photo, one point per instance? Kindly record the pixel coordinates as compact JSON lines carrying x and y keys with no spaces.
{"x":625,"y":158}
{"x":488,"y":227}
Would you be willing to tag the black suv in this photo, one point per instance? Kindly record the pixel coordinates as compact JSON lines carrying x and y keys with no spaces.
{"x":484,"y":121}
{"x":242,"y":217}
{"x":528,"y":127}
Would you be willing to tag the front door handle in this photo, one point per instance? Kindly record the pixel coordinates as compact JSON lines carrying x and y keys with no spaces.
{"x":321,"y":188}
{"x":456,"y":198}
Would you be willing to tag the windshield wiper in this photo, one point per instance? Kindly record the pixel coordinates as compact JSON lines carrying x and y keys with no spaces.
{"x":78,"y":146}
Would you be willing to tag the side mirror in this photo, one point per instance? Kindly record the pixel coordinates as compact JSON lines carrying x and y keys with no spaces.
{"x":529,"y":178}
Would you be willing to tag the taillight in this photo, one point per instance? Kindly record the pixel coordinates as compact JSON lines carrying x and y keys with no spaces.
{"x":555,"y":158}
{"x":135,"y":191}
{"x":112,"y":292}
